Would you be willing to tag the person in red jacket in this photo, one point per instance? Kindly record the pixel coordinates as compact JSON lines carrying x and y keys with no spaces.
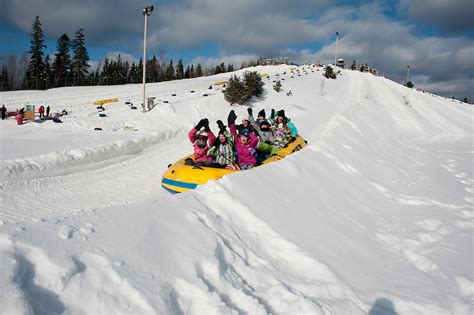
{"x":202,"y":141}
{"x":41,"y":111}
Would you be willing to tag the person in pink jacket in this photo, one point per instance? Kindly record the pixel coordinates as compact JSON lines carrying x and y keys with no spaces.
{"x":245,"y":143}
{"x":202,"y":141}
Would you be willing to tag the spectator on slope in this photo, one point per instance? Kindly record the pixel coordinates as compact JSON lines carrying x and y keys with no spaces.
{"x":47,"y":111}
{"x":245,"y":143}
{"x":223,"y":148}
{"x":4,"y":112}
{"x":201,"y":140}
{"x":41,"y":111}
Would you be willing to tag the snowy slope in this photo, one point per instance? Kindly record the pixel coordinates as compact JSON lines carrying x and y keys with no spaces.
{"x":374,"y":216}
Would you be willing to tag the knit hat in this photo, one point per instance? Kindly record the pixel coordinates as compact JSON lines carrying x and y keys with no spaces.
{"x":281,"y":113}
{"x":265,"y":123}
{"x":261,"y":113}
{"x":244,"y":132}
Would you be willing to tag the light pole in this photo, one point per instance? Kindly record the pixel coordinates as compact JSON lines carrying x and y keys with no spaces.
{"x":408,"y":74}
{"x":335,"y":56}
{"x":146,"y":13}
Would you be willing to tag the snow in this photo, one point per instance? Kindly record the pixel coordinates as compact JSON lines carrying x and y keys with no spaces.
{"x":374,"y":216}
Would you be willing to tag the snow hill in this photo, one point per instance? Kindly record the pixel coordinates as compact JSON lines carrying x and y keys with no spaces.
{"x":374,"y":216}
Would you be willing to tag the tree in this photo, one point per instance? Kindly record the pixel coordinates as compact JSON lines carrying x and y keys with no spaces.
{"x":5,"y":80}
{"x":240,"y":91}
{"x":36,"y":66}
{"x":277,"y":86}
{"x":170,"y":74}
{"x":354,"y":65}
{"x":180,"y":70}
{"x":80,"y":61}
{"x":187,"y":72}
{"x":410,"y":84}
{"x":253,"y":84}
{"x":465,"y":100}
{"x":230,"y":68}
{"x":192,"y":74}
{"x":48,"y":73}
{"x":199,"y":70}
{"x":62,"y":61}
{"x":235,"y":91}
{"x":329,"y":73}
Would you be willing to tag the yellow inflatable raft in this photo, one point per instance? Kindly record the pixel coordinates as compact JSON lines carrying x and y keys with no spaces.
{"x":180,"y":177}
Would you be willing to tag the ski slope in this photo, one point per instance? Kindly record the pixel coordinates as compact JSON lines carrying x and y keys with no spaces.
{"x":374,"y":216}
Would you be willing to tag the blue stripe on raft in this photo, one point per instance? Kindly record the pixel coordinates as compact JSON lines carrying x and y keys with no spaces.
{"x":171,"y":190}
{"x":179,"y":184}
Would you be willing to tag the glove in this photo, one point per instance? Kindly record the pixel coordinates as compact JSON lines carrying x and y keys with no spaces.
{"x":272,"y":115}
{"x":199,"y":125}
{"x":249,"y":110}
{"x":231,"y":118}
{"x":206,"y":124}
{"x":220,"y":125}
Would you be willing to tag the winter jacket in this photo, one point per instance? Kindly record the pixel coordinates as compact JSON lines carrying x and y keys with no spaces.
{"x":292,"y":127}
{"x":282,"y":135}
{"x":265,"y":136}
{"x":200,"y":154}
{"x":224,"y":152}
{"x":245,"y":152}
{"x":41,"y":109}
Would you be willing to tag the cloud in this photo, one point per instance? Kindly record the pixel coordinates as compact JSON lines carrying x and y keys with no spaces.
{"x":390,"y":46}
{"x":449,"y":16}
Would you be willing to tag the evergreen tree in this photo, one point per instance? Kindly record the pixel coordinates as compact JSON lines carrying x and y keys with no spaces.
{"x":234,"y":93}
{"x":80,"y":62}
{"x":62,"y":61}
{"x":187,"y":73}
{"x":104,"y":75}
{"x":192,"y":74}
{"x":180,"y":70}
{"x":230,"y":68}
{"x":140,"y":71}
{"x":253,"y":84}
{"x":199,"y":70}
{"x":170,"y":74}
{"x":35,"y":69}
{"x":5,"y":80}
{"x":329,"y":73}
{"x":354,"y":65}
{"x":48,"y":74}
{"x":152,"y":74}
{"x":465,"y":100}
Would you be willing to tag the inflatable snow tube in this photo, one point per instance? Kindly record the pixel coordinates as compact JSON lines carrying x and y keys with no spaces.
{"x":181,"y":177}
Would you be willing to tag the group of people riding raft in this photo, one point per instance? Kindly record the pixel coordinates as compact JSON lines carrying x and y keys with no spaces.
{"x":243,"y":146}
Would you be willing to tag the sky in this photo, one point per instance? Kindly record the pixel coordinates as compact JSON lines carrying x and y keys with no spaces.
{"x":435,"y":38}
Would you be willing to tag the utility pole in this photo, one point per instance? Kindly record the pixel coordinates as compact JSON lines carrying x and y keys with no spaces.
{"x":335,"y":56}
{"x":408,"y":74}
{"x":146,"y":12}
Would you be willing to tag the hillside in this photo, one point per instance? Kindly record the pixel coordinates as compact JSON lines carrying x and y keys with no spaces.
{"x":374,"y":216}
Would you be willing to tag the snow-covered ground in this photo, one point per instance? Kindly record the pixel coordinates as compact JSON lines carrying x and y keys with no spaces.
{"x":374,"y":216}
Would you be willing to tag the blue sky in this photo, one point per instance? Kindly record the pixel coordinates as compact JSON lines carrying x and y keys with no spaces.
{"x":385,"y":34}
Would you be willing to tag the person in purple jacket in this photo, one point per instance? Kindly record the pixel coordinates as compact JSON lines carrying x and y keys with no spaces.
{"x":245,"y":143}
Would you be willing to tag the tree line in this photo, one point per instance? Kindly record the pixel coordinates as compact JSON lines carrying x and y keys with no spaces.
{"x":70,"y":66}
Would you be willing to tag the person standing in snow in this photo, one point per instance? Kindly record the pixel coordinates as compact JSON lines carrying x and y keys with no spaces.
{"x":47,"y":111}
{"x":222,"y":150}
{"x":202,"y":141}
{"x":41,"y":111}
{"x":245,"y":143}
{"x":4,"y":112}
